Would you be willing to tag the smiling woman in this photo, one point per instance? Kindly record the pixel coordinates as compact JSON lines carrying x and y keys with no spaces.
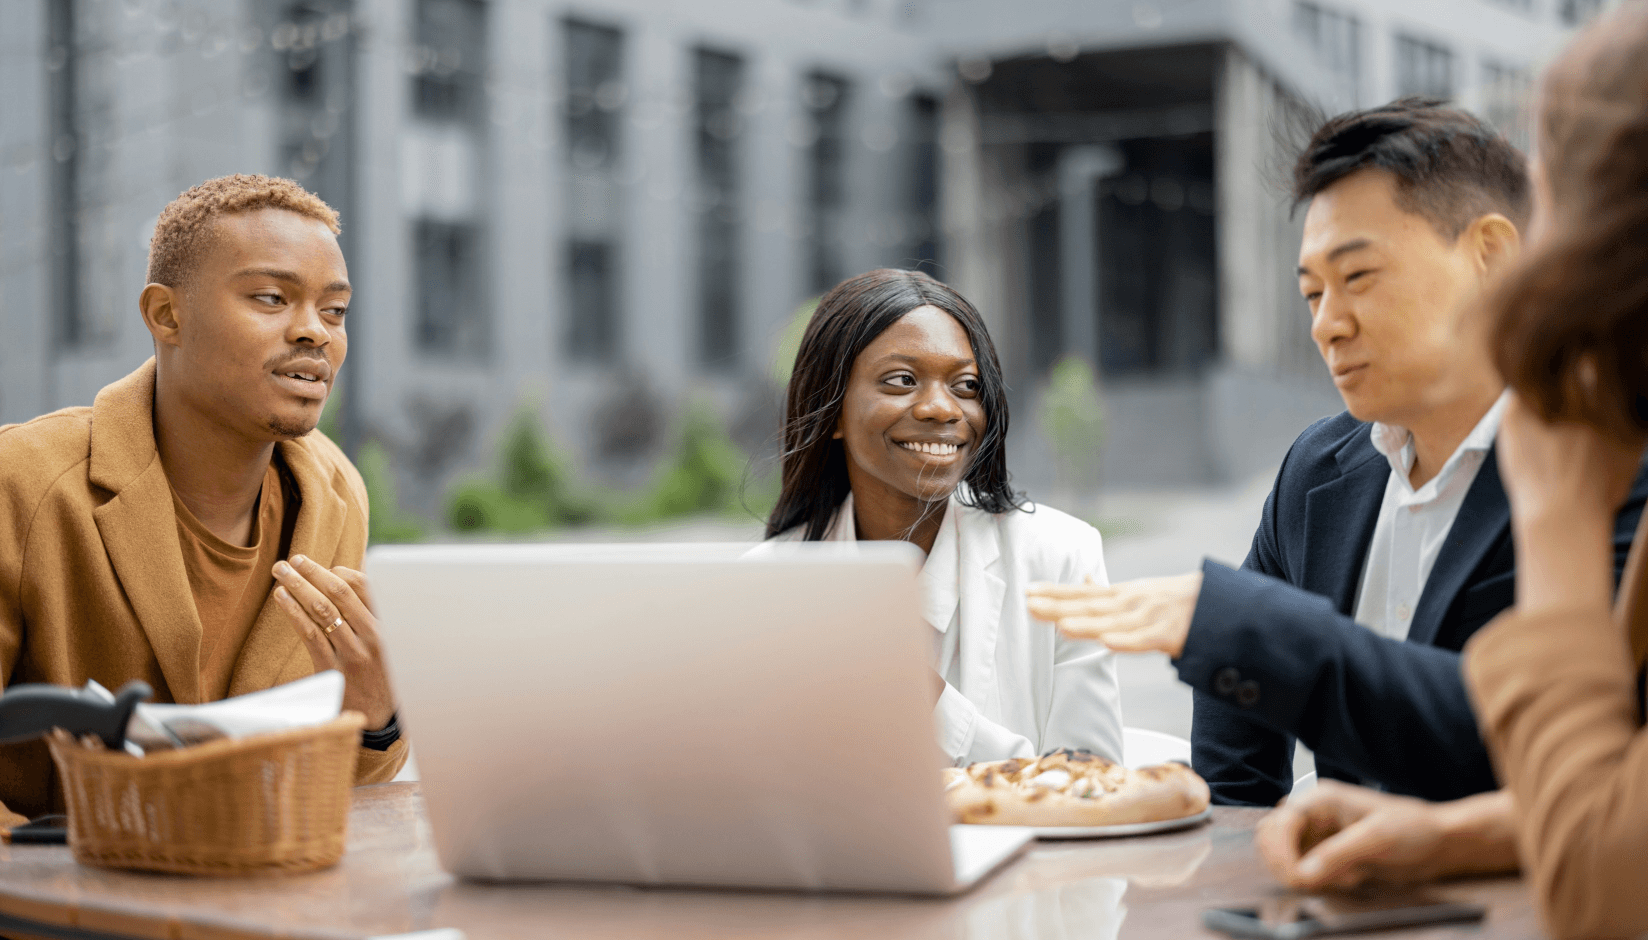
{"x":895,"y":428}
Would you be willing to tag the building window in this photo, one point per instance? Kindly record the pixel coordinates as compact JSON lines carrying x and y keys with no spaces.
{"x":1505,"y":100}
{"x":1336,"y":37}
{"x":447,"y":264}
{"x":825,"y":98}
{"x":718,"y":82}
{"x":592,"y":287}
{"x":924,"y":174}
{"x":446,"y":61}
{"x":595,"y":97}
{"x":1578,"y":12}
{"x":313,"y":45}
{"x":442,"y":155}
{"x":1423,"y":68}
{"x":61,"y":65}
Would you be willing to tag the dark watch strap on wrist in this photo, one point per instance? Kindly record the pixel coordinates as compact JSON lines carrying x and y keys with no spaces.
{"x":381,"y":739}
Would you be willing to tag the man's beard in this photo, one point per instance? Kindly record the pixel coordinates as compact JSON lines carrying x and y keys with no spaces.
{"x":287,"y":430}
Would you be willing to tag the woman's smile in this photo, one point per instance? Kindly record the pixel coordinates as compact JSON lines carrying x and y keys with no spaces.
{"x":935,"y":450}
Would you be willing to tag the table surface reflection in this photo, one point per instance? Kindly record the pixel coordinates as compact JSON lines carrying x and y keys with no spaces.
{"x":390,"y":883}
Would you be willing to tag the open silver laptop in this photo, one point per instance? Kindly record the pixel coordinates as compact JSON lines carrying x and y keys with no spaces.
{"x":676,"y":715}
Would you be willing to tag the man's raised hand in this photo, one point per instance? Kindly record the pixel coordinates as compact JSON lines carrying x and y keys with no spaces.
{"x":332,"y":611}
{"x":1146,"y":615}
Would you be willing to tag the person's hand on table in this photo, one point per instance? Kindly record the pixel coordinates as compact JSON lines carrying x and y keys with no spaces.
{"x":332,"y":611}
{"x":1340,"y":836}
{"x":1147,"y":615}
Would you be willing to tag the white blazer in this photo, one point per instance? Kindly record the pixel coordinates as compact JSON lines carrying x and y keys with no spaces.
{"x":1014,"y":686}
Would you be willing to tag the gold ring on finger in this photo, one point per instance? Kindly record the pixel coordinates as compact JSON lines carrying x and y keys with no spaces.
{"x":336,"y":623}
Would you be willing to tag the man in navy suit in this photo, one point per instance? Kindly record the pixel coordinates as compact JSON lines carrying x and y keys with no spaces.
{"x":1385,"y":542}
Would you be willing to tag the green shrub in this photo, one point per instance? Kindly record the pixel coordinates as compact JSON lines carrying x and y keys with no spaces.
{"x":789,"y":342}
{"x":387,"y":523}
{"x":702,"y":476}
{"x":482,"y":506}
{"x":1072,"y":417}
{"x":536,"y":488}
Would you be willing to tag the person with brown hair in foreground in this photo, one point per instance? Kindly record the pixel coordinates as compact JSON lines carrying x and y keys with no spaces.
{"x":144,"y":537}
{"x":1557,"y":681}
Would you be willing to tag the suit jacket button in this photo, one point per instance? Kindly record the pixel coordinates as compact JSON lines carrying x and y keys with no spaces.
{"x":1224,"y":681}
{"x":1247,"y":694}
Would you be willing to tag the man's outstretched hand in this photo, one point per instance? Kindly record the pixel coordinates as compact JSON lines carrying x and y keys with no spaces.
{"x":1147,"y":615}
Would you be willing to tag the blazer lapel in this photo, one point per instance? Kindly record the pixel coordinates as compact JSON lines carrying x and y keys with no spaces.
{"x":1483,"y":518}
{"x":323,"y":517}
{"x":1339,"y":520}
{"x":941,"y":574}
{"x":139,"y":528}
{"x":982,"y":590}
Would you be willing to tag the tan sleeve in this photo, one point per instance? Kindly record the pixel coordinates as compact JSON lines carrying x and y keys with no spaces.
{"x":380,"y":766}
{"x":1556,"y":696}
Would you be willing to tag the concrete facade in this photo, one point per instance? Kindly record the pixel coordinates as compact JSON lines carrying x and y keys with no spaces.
{"x":491,"y":205}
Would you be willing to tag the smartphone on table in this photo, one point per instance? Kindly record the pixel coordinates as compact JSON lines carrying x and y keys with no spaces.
{"x":1295,"y":918}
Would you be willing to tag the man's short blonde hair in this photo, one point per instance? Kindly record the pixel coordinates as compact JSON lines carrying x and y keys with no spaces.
{"x":184,"y":228}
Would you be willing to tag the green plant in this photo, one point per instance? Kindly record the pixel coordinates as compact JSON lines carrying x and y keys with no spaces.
{"x":330,"y":423}
{"x":536,"y":488}
{"x":1072,"y":417}
{"x":704,"y":474}
{"x":479,"y":505}
{"x":386,"y":523}
{"x":789,"y":342}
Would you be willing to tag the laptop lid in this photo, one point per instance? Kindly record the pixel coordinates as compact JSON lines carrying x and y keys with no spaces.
{"x":670,"y":714}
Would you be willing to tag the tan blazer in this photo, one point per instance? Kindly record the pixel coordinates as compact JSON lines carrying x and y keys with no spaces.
{"x":92,"y":583}
{"x":1557,"y":699}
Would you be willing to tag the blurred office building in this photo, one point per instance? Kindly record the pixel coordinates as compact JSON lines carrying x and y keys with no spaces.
{"x":610,"y":211}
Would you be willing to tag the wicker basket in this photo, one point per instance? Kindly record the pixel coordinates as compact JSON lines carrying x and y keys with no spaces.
{"x":273,"y":802}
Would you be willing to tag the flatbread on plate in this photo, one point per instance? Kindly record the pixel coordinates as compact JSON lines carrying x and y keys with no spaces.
{"x":1072,"y":788}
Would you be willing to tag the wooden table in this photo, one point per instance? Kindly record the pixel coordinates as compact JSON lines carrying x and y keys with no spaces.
{"x":390,"y":883}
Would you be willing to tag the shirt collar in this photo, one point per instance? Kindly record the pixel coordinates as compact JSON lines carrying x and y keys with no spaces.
{"x":844,"y":528}
{"x":1396,"y":444}
{"x":941,"y":572}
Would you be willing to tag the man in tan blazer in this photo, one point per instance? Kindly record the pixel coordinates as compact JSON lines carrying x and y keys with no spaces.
{"x":188,"y":529}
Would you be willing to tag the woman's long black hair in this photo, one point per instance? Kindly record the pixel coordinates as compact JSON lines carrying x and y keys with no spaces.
{"x":848,"y":319}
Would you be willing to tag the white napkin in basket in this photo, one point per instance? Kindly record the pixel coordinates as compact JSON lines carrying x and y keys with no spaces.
{"x":313,"y":700}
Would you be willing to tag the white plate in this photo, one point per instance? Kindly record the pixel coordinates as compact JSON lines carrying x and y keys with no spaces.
{"x":1127,"y":829}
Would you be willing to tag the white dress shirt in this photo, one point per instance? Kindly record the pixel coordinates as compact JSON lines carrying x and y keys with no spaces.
{"x":1413,"y":524}
{"x":1014,"y":686}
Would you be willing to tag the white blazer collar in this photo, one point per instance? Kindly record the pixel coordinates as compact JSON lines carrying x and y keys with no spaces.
{"x":843,"y":528}
{"x":960,"y":571}
{"x":941,"y":575}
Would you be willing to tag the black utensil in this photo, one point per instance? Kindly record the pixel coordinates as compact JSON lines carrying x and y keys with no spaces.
{"x":43,"y":830}
{"x":31,"y":710}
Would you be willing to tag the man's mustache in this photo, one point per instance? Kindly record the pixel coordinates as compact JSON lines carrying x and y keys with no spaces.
{"x":302,"y":352}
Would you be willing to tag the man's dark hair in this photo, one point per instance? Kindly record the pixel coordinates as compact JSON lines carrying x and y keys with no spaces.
{"x":1451,"y":167}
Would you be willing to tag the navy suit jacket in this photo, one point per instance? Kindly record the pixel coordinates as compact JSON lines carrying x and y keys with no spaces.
{"x":1273,"y":654}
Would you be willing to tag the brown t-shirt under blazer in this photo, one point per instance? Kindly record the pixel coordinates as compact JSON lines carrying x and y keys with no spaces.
{"x":93,"y":583}
{"x":231,"y":582}
{"x":1558,"y":700}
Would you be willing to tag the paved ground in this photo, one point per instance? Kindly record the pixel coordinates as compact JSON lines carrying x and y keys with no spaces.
{"x":1152,"y":533}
